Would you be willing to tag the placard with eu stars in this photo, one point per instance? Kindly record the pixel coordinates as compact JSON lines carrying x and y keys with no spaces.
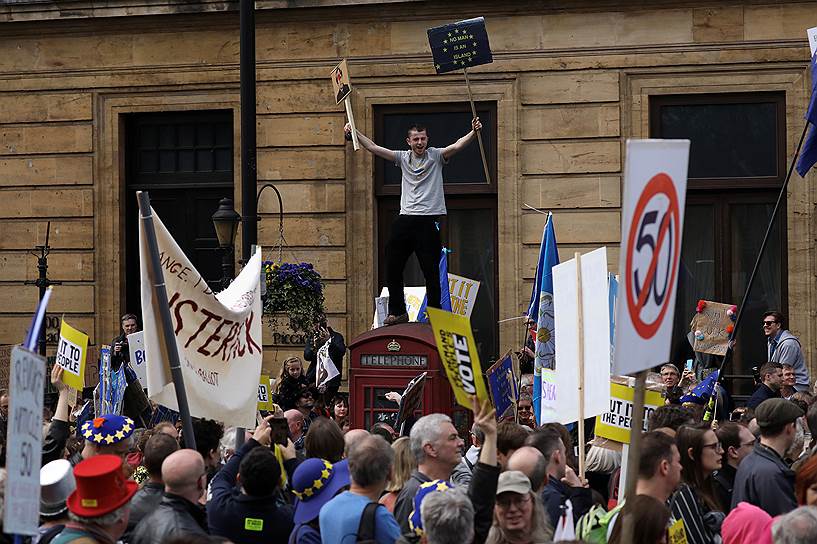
{"x":460,"y":45}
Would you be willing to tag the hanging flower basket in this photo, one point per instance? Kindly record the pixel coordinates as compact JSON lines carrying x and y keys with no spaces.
{"x":295,"y":290}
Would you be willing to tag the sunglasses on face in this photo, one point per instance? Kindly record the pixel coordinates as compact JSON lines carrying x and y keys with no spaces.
{"x":769,"y":323}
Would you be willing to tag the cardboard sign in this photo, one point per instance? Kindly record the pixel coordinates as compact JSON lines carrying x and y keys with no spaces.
{"x":138,"y":357}
{"x":616,"y":423}
{"x":25,"y":443}
{"x":341,"y":85}
{"x":710,"y":328}
{"x":460,"y":45}
{"x":458,"y":354}
{"x":652,"y":223}
{"x":411,"y":399}
{"x":71,"y":354}
{"x":503,"y":385}
{"x":812,"y":39}
{"x":264,"y":394}
{"x":463,"y":293}
{"x":594,"y":336}
{"x":218,"y":336}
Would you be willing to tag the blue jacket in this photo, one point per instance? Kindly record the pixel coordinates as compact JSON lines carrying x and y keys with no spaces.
{"x":763,"y":392}
{"x":765,"y":480}
{"x":243,"y":518}
{"x":556,"y":493}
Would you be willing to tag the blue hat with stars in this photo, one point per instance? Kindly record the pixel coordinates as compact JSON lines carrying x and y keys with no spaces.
{"x":314,"y":483}
{"x":108,"y":429}
{"x":415,"y":521}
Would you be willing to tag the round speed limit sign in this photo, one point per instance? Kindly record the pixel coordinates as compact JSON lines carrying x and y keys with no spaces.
{"x":653,"y":247}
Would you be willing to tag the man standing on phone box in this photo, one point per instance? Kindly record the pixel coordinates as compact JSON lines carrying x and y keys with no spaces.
{"x":422,"y":203}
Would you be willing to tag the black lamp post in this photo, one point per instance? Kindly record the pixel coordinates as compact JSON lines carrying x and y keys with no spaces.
{"x":226,"y":221}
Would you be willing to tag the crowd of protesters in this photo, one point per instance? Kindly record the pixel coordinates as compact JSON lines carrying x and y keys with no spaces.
{"x":752,"y":477}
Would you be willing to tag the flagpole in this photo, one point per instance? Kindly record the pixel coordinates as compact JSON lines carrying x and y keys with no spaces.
{"x":479,"y":133}
{"x":710,"y":408}
{"x":159,"y":291}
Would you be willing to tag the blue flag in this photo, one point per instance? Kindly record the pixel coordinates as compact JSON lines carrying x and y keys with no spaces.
{"x":701,"y":393}
{"x":545,"y":333}
{"x":535,"y":293}
{"x":808,"y":156}
{"x":445,"y":292}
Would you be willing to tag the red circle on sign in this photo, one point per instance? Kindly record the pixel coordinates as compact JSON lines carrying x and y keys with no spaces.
{"x":659,"y":184}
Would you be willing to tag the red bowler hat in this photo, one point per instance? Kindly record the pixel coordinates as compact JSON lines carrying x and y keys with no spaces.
{"x":101,"y":487}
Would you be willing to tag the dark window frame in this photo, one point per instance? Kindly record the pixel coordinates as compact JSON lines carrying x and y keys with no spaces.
{"x":723,"y":193}
{"x":729,"y":183}
{"x":477,"y":187}
{"x":459,"y":196}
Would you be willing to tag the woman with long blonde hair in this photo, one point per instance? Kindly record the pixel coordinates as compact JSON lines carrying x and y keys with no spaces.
{"x":290,"y":383}
{"x":404,"y":465}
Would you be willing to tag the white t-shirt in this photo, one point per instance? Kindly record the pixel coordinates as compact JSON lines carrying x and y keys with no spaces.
{"x":422,"y":185}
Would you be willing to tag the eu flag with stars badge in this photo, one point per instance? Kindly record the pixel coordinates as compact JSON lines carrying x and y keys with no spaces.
{"x":460,"y":45}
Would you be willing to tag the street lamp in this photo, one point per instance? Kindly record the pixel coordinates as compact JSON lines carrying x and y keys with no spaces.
{"x":226,"y":221}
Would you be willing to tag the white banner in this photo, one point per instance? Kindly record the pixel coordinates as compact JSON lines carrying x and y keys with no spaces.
{"x":326,"y":367}
{"x":594,"y":336}
{"x":25,"y":442}
{"x":138,"y":361}
{"x":218,"y":336}
{"x":652,"y":223}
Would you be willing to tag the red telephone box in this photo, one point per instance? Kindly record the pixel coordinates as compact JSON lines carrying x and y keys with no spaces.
{"x":387,"y":359}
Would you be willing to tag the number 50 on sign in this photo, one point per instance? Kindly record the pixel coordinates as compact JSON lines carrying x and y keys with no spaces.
{"x":652,"y":222}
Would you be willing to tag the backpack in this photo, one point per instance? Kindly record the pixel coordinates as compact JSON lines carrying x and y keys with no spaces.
{"x":365,"y":531}
{"x":595,"y":524}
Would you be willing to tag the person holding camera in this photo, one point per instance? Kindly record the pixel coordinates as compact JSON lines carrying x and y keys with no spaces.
{"x":120,"y":352}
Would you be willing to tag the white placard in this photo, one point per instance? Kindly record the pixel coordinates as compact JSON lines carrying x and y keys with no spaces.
{"x":218,"y":336}
{"x":652,"y":223}
{"x":812,"y":39}
{"x":326,"y":367}
{"x":594,"y":335}
{"x":138,"y":357}
{"x":25,"y":442}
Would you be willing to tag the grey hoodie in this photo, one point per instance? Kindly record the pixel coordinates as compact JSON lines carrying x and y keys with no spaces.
{"x":788,"y":352}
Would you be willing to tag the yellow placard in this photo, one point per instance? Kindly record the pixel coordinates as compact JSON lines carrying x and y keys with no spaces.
{"x":676,"y":533}
{"x":615,"y":424}
{"x":71,"y":352}
{"x":264,"y":394}
{"x":458,"y":352}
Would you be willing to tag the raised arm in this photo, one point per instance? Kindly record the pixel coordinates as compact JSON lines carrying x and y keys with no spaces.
{"x":460,"y":144}
{"x":370,"y":146}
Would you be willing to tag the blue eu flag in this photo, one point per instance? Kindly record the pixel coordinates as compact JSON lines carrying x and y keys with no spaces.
{"x":808,"y":156}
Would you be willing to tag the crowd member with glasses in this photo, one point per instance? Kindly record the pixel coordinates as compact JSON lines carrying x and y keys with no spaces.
{"x":695,"y":501}
{"x":784,"y":348}
{"x":771,"y":378}
{"x":519,"y":516}
{"x":524,"y":409}
{"x":737,"y":442}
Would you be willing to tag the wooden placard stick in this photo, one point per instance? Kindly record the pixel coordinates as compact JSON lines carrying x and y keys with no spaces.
{"x":348,"y":103}
{"x":479,"y":135}
{"x":636,"y":426}
{"x":580,"y":323}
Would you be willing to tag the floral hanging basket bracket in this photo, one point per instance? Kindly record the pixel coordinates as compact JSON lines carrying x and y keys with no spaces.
{"x":295,"y":289}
